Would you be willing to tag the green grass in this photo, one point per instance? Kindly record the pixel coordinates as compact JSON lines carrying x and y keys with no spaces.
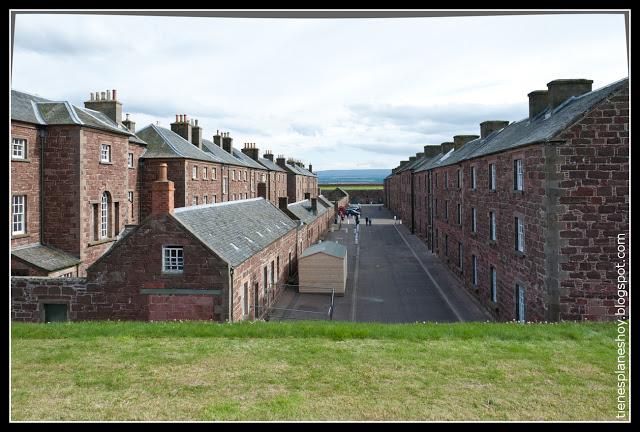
{"x":312,"y":371}
{"x":351,"y":187}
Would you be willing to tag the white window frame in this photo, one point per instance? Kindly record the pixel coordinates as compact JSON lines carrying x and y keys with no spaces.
{"x":494,"y":284}
{"x":492,"y":226}
{"x":519,"y":186}
{"x":104,"y":216}
{"x":233,"y":175}
{"x":18,"y":210}
{"x":224,"y":185}
{"x":204,"y":173}
{"x":214,"y":173}
{"x":205,"y":199}
{"x":194,"y":172}
{"x":520,"y":234}
{"x":474,"y":218}
{"x":172,"y":259}
{"x":19,"y":148}
{"x":105,"y":153}
{"x":214,"y":199}
{"x":245,"y":175}
{"x":130,"y":196}
{"x":194,"y":201}
{"x":492,"y":176}
{"x":130,"y":160}
{"x":473,"y":177}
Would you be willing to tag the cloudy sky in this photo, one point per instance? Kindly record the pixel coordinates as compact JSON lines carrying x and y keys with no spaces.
{"x":341,"y":93}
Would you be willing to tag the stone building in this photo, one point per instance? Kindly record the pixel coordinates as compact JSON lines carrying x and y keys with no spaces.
{"x":527,"y":215}
{"x":300,"y":181}
{"x":74,"y":182}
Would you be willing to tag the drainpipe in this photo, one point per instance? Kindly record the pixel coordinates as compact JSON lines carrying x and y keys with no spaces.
{"x":230,"y":273}
{"x":42,"y":132}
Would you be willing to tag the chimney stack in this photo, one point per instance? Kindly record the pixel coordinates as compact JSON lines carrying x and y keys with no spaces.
{"x":280,"y":161}
{"x":490,"y":126}
{"x":183,"y":128}
{"x":460,"y":140}
{"x":307,"y":195}
{"x":283,"y":203}
{"x":196,"y":135}
{"x":310,"y":168}
{"x":106,"y":104}
{"x":162,"y":193}
{"x":129,"y":124}
{"x":446,"y":146}
{"x":314,"y":205}
{"x":562,"y":89}
{"x":268,"y":155}
{"x":432,"y":150}
{"x":251,"y":150}
{"x":227,"y":143}
{"x":538,"y":102}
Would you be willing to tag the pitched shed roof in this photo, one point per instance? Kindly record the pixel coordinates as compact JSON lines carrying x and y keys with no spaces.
{"x":235,"y":230}
{"x":326,"y":247}
{"x":34,"y":109}
{"x":45,"y":257}
{"x":164,"y":143}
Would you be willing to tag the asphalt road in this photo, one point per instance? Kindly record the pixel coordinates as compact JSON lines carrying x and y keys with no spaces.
{"x":392,"y":278}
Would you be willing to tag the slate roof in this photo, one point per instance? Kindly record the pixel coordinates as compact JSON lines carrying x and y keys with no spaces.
{"x":302,"y":209}
{"x":326,"y":247}
{"x":306,"y":172}
{"x":324,"y":201}
{"x":235,"y":230}
{"x":220,"y":153}
{"x":546,"y":126}
{"x":34,"y":109}
{"x":238,"y":154}
{"x":271,"y":166}
{"x":164,"y":143}
{"x":45,"y":257}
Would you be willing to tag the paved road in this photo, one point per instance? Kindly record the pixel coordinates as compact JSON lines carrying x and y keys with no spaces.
{"x":392,"y":278}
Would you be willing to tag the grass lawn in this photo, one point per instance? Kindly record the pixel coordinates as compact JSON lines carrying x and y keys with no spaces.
{"x":351,"y":187}
{"x":312,"y":371}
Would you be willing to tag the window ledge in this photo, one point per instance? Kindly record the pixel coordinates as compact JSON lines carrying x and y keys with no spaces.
{"x":20,"y":160}
{"x":520,"y":254}
{"x":518,"y":192}
{"x":493,"y":243}
{"x":102,"y":241}
{"x":130,"y":167}
{"x":19,"y":236}
{"x":172,"y":273}
{"x":105,"y":163}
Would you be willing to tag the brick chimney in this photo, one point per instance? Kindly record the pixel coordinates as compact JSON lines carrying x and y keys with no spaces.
{"x":227,"y":143}
{"x":182,"y":127}
{"x":489,"y":126}
{"x":196,"y":135}
{"x":562,"y":89}
{"x":432,"y":150}
{"x":310,"y":168}
{"x":538,"y":102}
{"x":251,"y":150}
{"x":162,"y":193}
{"x":106,"y":103}
{"x":217,"y":139}
{"x":283,"y":203}
{"x":268,"y":155}
{"x":281,"y":161}
{"x":446,"y":146}
{"x":314,"y":205}
{"x":129,"y":124}
{"x":460,"y":140}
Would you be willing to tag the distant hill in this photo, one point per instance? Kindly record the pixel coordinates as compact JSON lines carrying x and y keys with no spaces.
{"x":352,"y":176}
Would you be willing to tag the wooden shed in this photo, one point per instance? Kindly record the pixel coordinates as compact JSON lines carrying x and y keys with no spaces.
{"x":322,"y":268}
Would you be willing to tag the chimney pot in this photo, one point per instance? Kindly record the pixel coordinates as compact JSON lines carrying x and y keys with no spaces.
{"x":177,"y":118}
{"x":196,"y":122}
{"x":108,"y":94}
{"x":102,"y":96}
{"x":114,"y":94}
{"x":127,"y":114}
{"x":91,"y":95}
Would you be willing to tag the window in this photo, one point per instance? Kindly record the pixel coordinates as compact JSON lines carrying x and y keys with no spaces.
{"x":214,"y":173}
{"x":473,"y":177}
{"x":18,"y":210}
{"x":474,"y":270}
{"x":446,"y":244}
{"x":492,"y":226}
{"x":215,"y":199}
{"x":104,"y":215}
{"x":19,"y":148}
{"x":518,"y":175}
{"x":130,"y":160}
{"x":520,"y":303}
{"x":446,"y":180}
{"x":224,"y":185}
{"x":195,"y":200}
{"x":473,"y":220}
{"x":130,"y":196}
{"x":492,"y":176}
{"x":493,"y":281}
{"x":435,"y":207}
{"x":194,"y":172}
{"x":204,"y":199}
{"x":519,"y":234}
{"x":105,"y":153}
{"x":67,"y":275}
{"x":459,"y":215}
{"x":446,"y":210}
{"x":436,"y":180}
{"x":460,"y":257}
{"x":245,"y":176}
{"x":459,"y":179}
{"x":245,"y":299}
{"x":278,"y":265}
{"x":233,"y":175}
{"x":172,"y":259}
{"x":204,"y":173}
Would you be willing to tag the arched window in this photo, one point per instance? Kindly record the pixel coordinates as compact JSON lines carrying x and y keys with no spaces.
{"x":104,"y":215}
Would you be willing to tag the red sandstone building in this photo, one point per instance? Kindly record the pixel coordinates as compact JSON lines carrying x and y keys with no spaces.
{"x":527,"y":215}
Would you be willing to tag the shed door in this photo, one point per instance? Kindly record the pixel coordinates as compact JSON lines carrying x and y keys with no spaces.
{"x":55,"y":312}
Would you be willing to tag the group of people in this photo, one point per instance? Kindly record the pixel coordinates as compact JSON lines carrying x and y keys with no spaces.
{"x":367,"y":221}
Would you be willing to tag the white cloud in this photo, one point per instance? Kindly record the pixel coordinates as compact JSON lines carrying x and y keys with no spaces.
{"x":336,"y":93}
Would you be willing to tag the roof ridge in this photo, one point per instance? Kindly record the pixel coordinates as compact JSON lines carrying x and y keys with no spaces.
{"x":72,"y":113}
{"x":36,"y":112}
{"x":160,"y":132}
